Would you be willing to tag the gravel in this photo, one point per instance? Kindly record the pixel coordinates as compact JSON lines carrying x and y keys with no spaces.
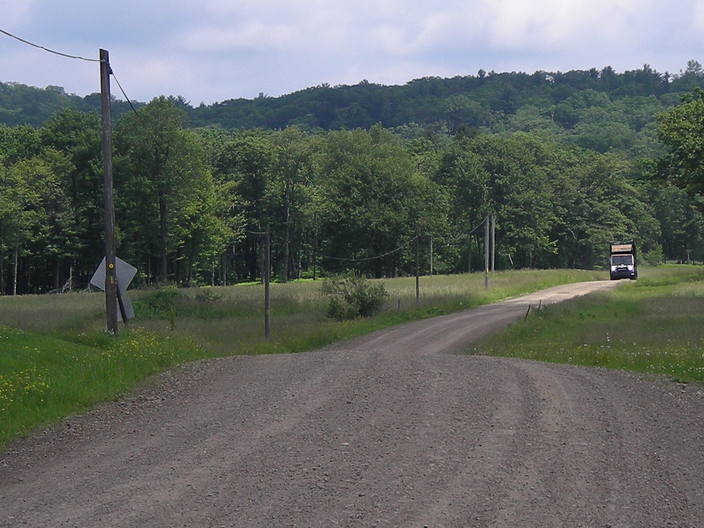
{"x":392,"y":429}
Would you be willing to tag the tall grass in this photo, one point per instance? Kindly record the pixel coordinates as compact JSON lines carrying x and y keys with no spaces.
{"x":43,"y":379}
{"x":653,"y":326}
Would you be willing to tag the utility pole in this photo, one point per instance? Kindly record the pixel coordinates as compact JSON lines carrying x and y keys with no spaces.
{"x":431,"y":256}
{"x":493,"y":243}
{"x":110,"y":271}
{"x":417,"y":263}
{"x":315,"y":243}
{"x":486,"y":252}
{"x":267,"y":273}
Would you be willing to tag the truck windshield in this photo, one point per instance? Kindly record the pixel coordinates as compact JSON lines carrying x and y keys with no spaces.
{"x":621,"y":260}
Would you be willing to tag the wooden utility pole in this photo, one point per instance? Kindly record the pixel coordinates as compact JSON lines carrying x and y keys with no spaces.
{"x":431,"y":256}
{"x":267,"y":273}
{"x":110,"y":271}
{"x":493,"y":243}
{"x":417,"y":264}
{"x":486,"y":252}
{"x":315,"y":243}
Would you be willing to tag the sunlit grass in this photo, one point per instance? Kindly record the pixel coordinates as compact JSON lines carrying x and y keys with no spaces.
{"x":653,"y":326}
{"x":43,"y":379}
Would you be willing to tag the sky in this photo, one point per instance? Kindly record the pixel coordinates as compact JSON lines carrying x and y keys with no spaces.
{"x":213,"y":50}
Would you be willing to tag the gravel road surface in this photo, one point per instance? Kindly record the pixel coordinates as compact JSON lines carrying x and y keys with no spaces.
{"x":392,"y":429}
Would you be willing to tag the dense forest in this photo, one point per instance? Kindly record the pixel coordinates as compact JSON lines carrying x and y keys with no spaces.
{"x":352,"y":176}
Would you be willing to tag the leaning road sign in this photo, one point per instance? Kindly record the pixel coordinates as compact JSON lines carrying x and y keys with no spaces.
{"x":125,"y":273}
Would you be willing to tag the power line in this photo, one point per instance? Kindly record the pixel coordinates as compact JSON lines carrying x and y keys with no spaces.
{"x":73,"y":57}
{"x":123,"y":93}
{"x":478,"y":226}
{"x":47,"y":49}
{"x":364,"y":259}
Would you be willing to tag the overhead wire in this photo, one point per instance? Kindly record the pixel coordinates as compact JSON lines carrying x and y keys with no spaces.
{"x":364,"y":259}
{"x":350,"y":259}
{"x":478,"y":225}
{"x":67,"y":55}
{"x":79,"y":57}
{"x":123,"y":93}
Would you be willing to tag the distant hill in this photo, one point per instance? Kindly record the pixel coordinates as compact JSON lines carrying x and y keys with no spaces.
{"x":28,"y":105}
{"x":582,"y":103}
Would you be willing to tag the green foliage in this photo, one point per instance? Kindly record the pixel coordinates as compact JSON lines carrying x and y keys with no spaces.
{"x":43,"y":378}
{"x":563,"y":161}
{"x":160,"y":303}
{"x":682,"y":130}
{"x":352,"y":295}
{"x":654,"y":257}
{"x":208,"y":295}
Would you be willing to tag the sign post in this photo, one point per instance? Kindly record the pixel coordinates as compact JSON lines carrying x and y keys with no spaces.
{"x":124,"y":273}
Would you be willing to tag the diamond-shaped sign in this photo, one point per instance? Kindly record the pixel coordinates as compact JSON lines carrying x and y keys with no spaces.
{"x":125,"y":273}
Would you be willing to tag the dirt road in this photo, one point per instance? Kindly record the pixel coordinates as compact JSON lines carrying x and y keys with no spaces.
{"x":388,"y":430}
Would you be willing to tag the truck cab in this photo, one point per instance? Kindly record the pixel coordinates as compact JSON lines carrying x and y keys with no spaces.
{"x":622,"y":263}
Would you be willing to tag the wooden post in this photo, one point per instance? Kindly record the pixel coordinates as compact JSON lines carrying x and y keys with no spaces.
{"x":417,"y":264}
{"x":267,"y":273}
{"x":486,"y":252}
{"x":493,"y":243}
{"x":431,"y":256}
{"x":110,"y":271}
{"x":121,"y":305}
{"x":15,"y":267}
{"x":315,"y":243}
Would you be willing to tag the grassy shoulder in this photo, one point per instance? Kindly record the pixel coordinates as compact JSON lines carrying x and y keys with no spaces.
{"x":655,"y":325}
{"x":61,"y":362}
{"x":43,"y":379}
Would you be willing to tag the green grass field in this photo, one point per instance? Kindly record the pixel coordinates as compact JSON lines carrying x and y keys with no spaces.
{"x":654,"y":325}
{"x":55,"y":358}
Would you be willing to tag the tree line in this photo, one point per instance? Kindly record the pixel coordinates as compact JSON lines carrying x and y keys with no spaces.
{"x":595,"y":108}
{"x":192,"y":202}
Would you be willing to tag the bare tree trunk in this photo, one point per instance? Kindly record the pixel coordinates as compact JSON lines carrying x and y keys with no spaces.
{"x":14,"y":280}
{"x":57,"y":274}
{"x":163,"y":272}
{"x":2,"y":274}
{"x":287,"y":223}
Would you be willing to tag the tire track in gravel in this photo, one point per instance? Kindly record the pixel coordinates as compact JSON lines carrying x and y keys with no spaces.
{"x":385,"y":430}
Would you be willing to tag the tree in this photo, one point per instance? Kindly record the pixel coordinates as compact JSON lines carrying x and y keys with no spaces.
{"x":682,"y":131}
{"x":160,"y":173}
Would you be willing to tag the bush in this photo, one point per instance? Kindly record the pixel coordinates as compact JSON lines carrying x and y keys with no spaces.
{"x":161,"y":303}
{"x":654,"y":257}
{"x":208,"y":296}
{"x":353,"y":296}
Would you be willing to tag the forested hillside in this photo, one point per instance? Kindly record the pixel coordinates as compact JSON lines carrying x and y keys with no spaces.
{"x":621,"y":106}
{"x":348,"y":177}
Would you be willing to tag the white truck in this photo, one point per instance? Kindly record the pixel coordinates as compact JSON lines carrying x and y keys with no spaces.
{"x":623,"y":261}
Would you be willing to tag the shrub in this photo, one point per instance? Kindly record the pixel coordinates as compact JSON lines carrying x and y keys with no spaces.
{"x":208,"y":296}
{"x":353,"y":296}
{"x":161,"y":303}
{"x":654,"y":257}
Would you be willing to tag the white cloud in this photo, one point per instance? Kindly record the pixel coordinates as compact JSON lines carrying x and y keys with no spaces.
{"x":214,"y":49}
{"x":15,"y":12}
{"x":549,"y":23}
{"x":251,"y":35}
